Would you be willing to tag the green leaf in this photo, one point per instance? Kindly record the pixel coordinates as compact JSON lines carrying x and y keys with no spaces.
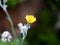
{"x":12,"y":3}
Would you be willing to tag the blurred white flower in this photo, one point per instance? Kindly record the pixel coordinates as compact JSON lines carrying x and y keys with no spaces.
{"x":23,"y":29}
{"x":57,"y":25}
{"x":4,"y":6}
{"x":6,"y":36}
{"x":0,"y":2}
{"x":4,"y":2}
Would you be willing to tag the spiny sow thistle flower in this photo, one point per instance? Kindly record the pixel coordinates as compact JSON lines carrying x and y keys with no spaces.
{"x":30,"y":18}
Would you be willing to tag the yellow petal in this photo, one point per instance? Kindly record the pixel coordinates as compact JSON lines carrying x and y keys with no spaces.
{"x":30,"y":18}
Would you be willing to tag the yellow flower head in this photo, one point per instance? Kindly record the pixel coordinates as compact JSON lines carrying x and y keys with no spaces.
{"x":30,"y":18}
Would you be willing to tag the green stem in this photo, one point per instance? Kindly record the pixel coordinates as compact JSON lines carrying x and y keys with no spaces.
{"x":22,"y":41}
{"x":10,"y":21}
{"x":11,"y":25}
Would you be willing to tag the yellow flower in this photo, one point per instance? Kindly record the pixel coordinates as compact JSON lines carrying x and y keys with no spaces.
{"x":30,"y":18}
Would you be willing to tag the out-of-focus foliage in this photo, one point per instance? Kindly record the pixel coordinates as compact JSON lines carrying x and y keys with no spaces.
{"x":12,"y":3}
{"x":53,"y":4}
{"x":13,"y":42}
{"x":44,"y":33}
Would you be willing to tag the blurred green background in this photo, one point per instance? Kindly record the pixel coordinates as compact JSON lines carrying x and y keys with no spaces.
{"x":44,"y":32}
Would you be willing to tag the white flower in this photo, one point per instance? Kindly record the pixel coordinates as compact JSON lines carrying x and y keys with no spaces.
{"x":5,"y":1}
{"x":4,"y":6}
{"x":57,"y":25}
{"x":23,"y":29}
{"x":0,"y":2}
{"x":6,"y":36}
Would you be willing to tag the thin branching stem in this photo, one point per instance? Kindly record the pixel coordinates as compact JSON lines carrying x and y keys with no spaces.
{"x":11,"y":22}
